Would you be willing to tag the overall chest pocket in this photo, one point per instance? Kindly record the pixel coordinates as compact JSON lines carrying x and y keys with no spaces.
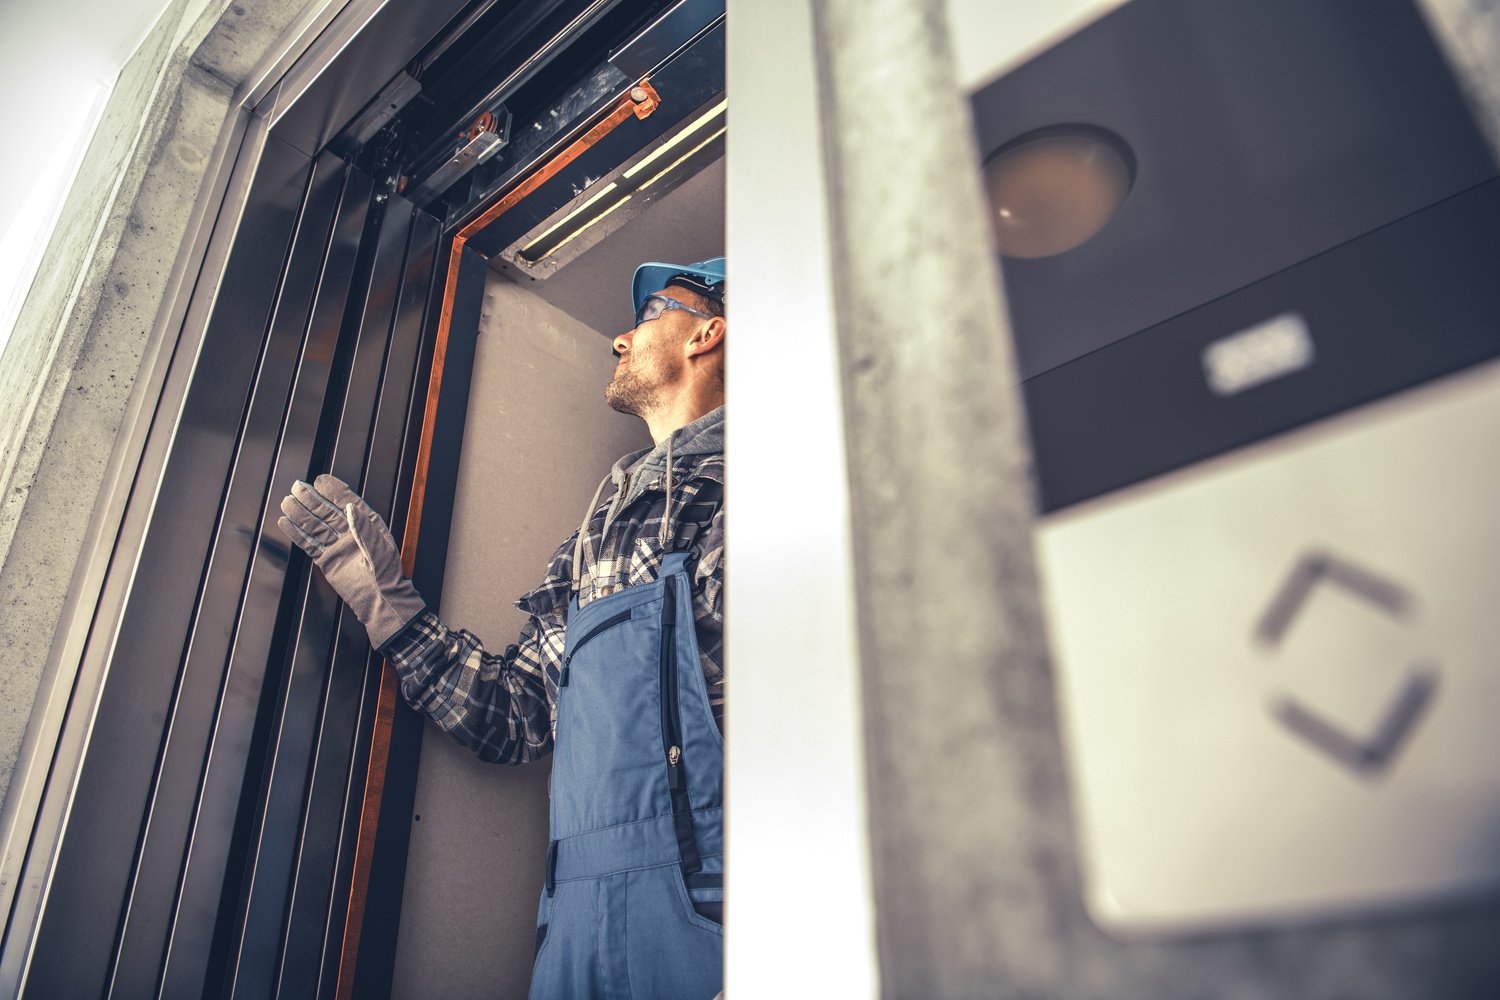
{"x":594,"y":631}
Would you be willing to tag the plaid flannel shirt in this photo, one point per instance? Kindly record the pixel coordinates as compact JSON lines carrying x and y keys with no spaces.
{"x":503,"y":706}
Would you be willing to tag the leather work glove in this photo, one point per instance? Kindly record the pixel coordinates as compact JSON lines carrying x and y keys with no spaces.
{"x":355,"y":551}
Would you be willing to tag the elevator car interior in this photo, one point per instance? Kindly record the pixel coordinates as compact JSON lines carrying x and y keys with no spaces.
{"x":1254,"y":316}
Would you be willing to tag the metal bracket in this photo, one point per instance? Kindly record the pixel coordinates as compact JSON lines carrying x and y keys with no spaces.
{"x":381,"y":110}
{"x":486,"y":136}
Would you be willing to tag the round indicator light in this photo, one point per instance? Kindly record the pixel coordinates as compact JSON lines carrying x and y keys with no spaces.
{"x":1053,"y":189}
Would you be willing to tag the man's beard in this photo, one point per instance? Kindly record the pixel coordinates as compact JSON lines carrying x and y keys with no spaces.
{"x":630,"y":392}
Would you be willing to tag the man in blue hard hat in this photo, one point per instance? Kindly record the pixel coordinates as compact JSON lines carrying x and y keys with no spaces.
{"x":618,"y":673}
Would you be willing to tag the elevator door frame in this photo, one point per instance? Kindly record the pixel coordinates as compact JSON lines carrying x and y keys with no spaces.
{"x":241,"y":811}
{"x":233,"y":717}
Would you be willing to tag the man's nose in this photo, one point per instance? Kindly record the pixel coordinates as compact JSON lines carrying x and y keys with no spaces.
{"x":622,"y":343}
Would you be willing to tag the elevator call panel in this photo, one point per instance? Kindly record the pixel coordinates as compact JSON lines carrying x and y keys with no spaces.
{"x":1264,"y":403}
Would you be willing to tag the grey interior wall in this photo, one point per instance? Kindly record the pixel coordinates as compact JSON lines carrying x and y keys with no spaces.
{"x":537,"y":440}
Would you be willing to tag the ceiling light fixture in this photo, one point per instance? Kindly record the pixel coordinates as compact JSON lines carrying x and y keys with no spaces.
{"x":576,"y":226}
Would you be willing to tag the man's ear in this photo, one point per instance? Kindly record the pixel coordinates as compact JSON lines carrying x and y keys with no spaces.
{"x":708,"y":338}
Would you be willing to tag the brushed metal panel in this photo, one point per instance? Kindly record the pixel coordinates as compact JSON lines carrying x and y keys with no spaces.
{"x":80,"y":925}
{"x":332,"y":809}
{"x":200,"y":940}
{"x":1279,"y":670}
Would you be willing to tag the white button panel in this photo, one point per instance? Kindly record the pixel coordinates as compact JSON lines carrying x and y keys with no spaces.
{"x":1280,"y":669}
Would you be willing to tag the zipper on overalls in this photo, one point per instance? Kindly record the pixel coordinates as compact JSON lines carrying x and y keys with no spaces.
{"x":671,"y":737}
{"x":589,"y":636}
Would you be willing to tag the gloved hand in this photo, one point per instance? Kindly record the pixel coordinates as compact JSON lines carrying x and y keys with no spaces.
{"x":355,"y":551}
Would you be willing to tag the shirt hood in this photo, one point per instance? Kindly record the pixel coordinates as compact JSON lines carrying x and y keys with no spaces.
{"x":704,"y":436}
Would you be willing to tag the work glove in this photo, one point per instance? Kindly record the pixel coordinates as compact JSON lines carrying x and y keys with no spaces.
{"x":355,"y":550}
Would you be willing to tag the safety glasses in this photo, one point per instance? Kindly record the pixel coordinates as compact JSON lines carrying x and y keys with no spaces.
{"x":655,"y":305}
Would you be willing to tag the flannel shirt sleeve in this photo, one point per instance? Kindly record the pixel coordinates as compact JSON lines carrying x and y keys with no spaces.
{"x":499,"y":706}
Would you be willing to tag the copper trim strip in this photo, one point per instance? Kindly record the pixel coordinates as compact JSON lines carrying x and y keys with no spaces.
{"x":625,"y":108}
{"x":639,"y":103}
{"x":369,"y":821}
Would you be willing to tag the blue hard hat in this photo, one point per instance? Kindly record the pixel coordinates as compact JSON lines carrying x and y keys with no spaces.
{"x":705,"y":277}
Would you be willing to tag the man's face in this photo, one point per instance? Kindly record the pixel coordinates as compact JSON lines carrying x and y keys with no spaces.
{"x":651,"y":359}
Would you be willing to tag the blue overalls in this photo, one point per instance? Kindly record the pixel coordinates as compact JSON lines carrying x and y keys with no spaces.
{"x":635,"y":866}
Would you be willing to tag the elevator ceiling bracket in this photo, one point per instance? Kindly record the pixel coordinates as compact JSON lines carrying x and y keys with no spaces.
{"x":485,"y":136}
{"x":379,"y":113}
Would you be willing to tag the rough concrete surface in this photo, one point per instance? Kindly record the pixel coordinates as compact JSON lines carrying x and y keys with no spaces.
{"x":78,"y":347}
{"x":936,"y":448}
{"x":87,"y":394}
{"x":67,"y":373}
{"x":230,"y":40}
{"x":57,"y":316}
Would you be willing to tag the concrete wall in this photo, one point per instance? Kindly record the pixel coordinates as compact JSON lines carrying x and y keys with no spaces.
{"x":536,"y":442}
{"x":69,"y":369}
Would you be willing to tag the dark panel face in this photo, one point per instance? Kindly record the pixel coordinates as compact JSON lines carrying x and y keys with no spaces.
{"x":394,"y":36}
{"x":675,"y":27}
{"x":249,"y":675}
{"x":322,"y":856}
{"x":1306,"y":180}
{"x":1151,"y":403}
{"x":1263,"y":133}
{"x":240,"y":726}
{"x":155,"y":888}
{"x":77,"y":936}
{"x":325,"y":638}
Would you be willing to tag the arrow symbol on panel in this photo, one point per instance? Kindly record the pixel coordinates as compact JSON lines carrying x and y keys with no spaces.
{"x":1364,"y":753}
